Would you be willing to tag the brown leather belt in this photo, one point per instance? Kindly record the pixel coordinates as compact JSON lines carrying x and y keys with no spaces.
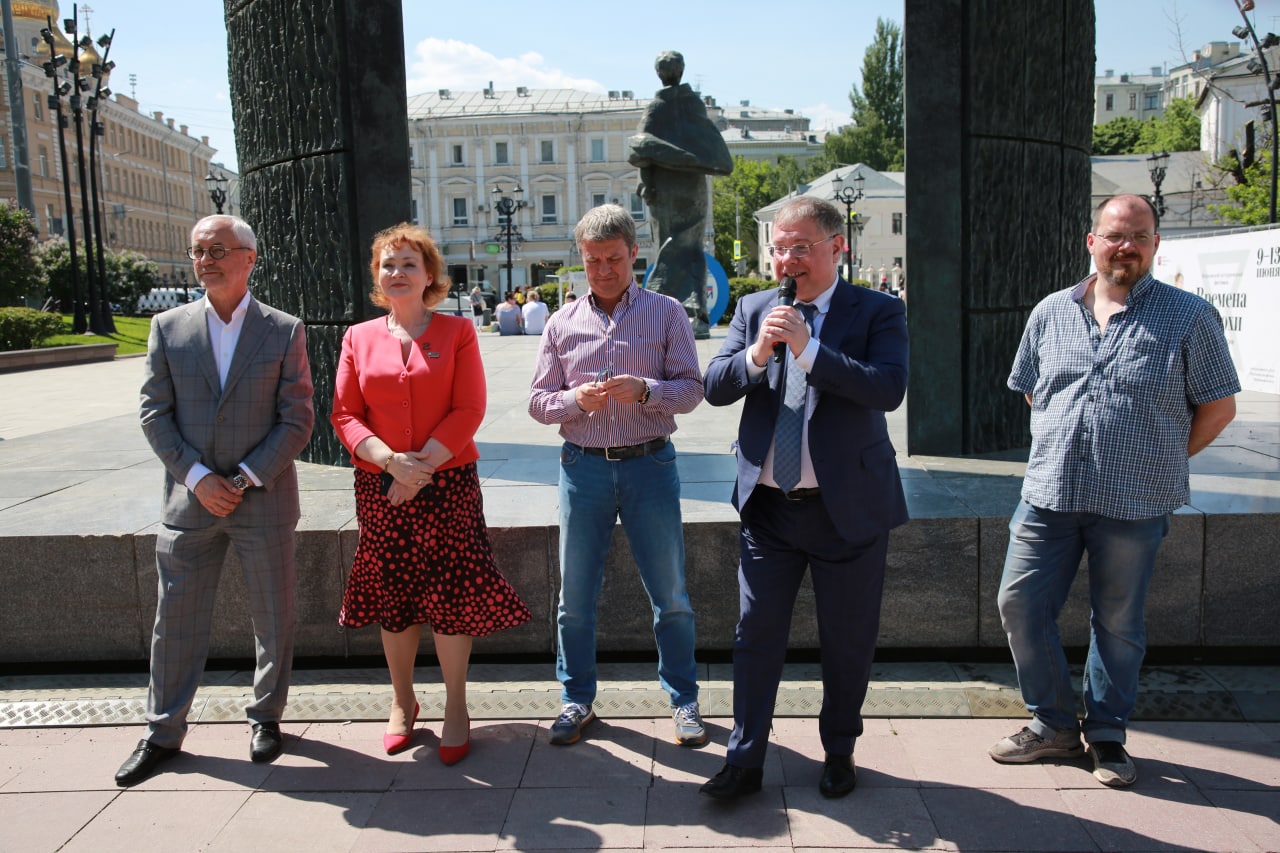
{"x":628,"y":451}
{"x":794,"y":494}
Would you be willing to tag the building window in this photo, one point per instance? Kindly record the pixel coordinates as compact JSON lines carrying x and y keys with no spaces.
{"x":597,"y":199}
{"x":1133,"y":101}
{"x":413,"y":211}
{"x":413,"y":164}
{"x":548,"y":210}
{"x":897,"y":223}
{"x":44,"y":162}
{"x":637,"y":208}
{"x":1111,"y":103}
{"x":597,"y":151}
{"x":4,"y":160}
{"x":457,"y":156}
{"x":501,"y":154}
{"x":459,"y":211}
{"x":548,"y":151}
{"x":38,"y":102}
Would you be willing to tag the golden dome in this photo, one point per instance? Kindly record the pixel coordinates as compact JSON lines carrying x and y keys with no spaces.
{"x":39,"y":13}
{"x":35,"y":10}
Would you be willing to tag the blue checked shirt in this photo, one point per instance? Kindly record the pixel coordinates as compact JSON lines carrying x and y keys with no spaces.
{"x":1111,"y":412}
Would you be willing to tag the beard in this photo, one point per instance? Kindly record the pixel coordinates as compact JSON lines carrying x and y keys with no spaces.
{"x":1123,"y":271}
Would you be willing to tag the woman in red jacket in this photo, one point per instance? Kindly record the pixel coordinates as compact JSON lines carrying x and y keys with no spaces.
{"x":408,"y":399}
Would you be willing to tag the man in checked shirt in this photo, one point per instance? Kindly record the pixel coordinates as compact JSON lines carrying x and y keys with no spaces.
{"x":1127,"y":377}
{"x":613,"y":370}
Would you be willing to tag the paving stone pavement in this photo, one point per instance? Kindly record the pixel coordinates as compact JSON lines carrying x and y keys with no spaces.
{"x":1207,"y":743}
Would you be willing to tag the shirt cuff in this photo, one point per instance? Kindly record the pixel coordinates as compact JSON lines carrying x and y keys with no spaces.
{"x":570,"y":399}
{"x":754,"y":371}
{"x":197,"y":473}
{"x":808,"y":355}
{"x":252,"y":476}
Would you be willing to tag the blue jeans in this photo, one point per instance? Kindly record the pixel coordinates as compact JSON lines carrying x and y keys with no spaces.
{"x":1044,"y":554}
{"x":645,"y":493}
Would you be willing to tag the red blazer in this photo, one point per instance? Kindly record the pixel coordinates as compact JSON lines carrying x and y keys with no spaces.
{"x":439,"y":394}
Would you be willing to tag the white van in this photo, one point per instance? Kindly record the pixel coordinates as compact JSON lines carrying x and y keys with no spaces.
{"x":163,"y":298}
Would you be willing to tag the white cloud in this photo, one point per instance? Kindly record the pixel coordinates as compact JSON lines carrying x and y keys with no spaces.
{"x":453,"y":64}
{"x":824,"y":118}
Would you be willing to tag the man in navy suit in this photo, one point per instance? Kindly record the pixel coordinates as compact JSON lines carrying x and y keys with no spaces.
{"x":829,"y":510}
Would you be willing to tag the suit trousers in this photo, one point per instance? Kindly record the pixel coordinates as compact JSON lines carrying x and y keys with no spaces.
{"x":778,"y":541}
{"x":189,"y":563}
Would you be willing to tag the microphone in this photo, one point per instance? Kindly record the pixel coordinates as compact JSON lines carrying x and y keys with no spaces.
{"x":786,"y":296}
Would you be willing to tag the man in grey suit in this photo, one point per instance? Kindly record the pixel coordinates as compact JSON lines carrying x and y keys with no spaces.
{"x":226,"y":405}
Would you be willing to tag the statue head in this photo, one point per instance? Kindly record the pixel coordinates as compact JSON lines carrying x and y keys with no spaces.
{"x":670,"y":67}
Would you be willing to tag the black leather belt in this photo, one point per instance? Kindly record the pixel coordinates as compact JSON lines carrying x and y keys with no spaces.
{"x":794,"y":494}
{"x":629,"y":451}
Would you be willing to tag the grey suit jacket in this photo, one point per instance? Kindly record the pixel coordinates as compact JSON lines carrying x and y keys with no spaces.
{"x":263,"y":417}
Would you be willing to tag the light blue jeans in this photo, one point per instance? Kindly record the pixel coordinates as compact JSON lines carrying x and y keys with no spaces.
{"x":1044,"y":554}
{"x":645,"y":493}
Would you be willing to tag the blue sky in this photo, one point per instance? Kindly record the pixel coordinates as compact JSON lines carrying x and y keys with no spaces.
{"x":804,"y":55}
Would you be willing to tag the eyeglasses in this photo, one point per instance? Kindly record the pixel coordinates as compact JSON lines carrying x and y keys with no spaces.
{"x":1115,"y":238}
{"x":217,"y":251}
{"x":799,"y":250}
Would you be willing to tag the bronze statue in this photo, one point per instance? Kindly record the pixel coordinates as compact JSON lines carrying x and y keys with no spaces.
{"x":676,"y":148}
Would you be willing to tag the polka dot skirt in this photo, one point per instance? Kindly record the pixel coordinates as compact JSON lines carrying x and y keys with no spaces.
{"x":428,"y":561}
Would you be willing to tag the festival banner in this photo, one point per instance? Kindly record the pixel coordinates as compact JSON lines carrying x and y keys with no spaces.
{"x":1240,"y":275}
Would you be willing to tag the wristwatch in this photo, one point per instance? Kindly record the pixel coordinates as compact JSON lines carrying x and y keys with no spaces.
{"x":648,"y":390}
{"x":240,"y":481}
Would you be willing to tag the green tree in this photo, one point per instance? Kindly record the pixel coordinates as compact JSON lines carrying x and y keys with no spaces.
{"x":18,"y":274}
{"x":753,"y":184}
{"x":867,"y":142}
{"x":877,"y":136}
{"x":1119,"y":136}
{"x":129,"y":274}
{"x":1251,"y":200}
{"x":1177,"y":130}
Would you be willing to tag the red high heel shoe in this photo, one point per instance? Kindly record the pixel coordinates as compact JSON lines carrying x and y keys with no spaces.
{"x":399,"y":743}
{"x":451,"y":755}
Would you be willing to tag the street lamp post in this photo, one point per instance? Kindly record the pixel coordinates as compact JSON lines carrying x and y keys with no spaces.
{"x":1269,"y":86}
{"x":217,"y":184}
{"x":1158,"y":164}
{"x":60,"y":89}
{"x":96,"y":129}
{"x":506,"y":207}
{"x":96,"y":289}
{"x":849,"y":196}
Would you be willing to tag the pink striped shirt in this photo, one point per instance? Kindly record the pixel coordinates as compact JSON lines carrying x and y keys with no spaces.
{"x":647,"y":336}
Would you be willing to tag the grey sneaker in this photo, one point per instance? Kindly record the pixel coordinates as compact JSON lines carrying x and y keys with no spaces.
{"x":568,"y":726}
{"x":1027,"y":746}
{"x":689,"y":728}
{"x":1112,"y":766}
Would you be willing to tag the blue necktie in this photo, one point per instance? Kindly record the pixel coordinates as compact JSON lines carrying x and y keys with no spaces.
{"x":788,"y":430}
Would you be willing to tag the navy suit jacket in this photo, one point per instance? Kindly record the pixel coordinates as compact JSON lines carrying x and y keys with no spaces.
{"x":860,"y":373}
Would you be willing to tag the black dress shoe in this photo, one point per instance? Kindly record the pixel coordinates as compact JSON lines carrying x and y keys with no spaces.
{"x":838,"y":776}
{"x":143,"y":762}
{"x":267,"y":742}
{"x":733,"y":782}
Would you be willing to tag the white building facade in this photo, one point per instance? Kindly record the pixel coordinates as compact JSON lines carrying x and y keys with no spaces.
{"x":880,"y":249}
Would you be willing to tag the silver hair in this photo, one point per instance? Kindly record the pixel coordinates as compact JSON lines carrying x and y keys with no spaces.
{"x":606,"y":222}
{"x":243,"y":230}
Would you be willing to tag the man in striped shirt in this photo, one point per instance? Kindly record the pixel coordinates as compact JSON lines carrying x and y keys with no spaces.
{"x":613,"y":370}
{"x":1126,"y":377}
